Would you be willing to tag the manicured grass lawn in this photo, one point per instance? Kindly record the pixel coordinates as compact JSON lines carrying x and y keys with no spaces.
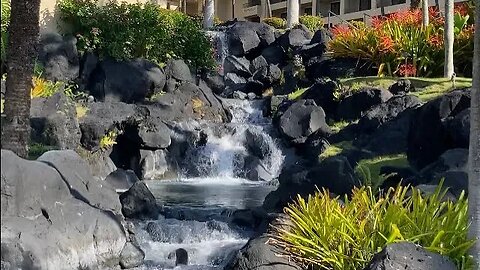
{"x":426,"y":88}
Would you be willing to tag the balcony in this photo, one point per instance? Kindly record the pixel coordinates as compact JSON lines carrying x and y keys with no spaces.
{"x":252,"y":3}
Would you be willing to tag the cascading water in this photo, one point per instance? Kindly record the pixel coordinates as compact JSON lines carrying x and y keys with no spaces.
{"x":213,"y":184}
{"x":220,"y":46}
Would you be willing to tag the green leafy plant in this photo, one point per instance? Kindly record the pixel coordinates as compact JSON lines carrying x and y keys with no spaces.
{"x":313,"y":23}
{"x":275,"y":22}
{"x":127,"y":31}
{"x":368,"y":170}
{"x":4,"y":28}
{"x":324,"y":233}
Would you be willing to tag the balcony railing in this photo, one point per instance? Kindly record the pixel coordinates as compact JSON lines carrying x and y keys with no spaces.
{"x":251,"y":3}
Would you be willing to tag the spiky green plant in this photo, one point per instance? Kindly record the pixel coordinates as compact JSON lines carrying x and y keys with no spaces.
{"x":325,"y":233}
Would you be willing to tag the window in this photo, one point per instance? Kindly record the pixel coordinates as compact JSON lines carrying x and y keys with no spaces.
{"x":308,"y":11}
{"x":335,"y":7}
{"x":365,"y":5}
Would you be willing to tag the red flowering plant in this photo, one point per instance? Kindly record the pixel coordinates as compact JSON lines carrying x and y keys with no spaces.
{"x":397,"y":44}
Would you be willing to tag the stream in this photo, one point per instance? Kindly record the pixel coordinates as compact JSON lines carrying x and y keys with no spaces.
{"x":197,"y":205}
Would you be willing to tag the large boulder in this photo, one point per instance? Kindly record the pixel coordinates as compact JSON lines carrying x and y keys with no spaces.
{"x":430,"y":135}
{"x":45,"y":225}
{"x":122,"y":179}
{"x":138,"y":202}
{"x":401,"y":87}
{"x":54,"y":122}
{"x":323,"y":93}
{"x":59,"y":57}
{"x":302,"y":119}
{"x":179,"y":70}
{"x":246,"y":37}
{"x":237,"y":65}
{"x":76,"y":174}
{"x":131,"y":256}
{"x":126,"y":81}
{"x":452,"y":168}
{"x":334,"y":173}
{"x":258,"y":254}
{"x":385,"y":112}
{"x":405,"y":255}
{"x":296,"y":37}
{"x":352,"y":107}
{"x":274,"y":54}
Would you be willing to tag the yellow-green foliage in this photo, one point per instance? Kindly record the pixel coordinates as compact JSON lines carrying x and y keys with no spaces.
{"x":313,"y":23}
{"x":4,"y":28}
{"x":108,"y":140}
{"x":81,"y":110}
{"x":369,"y":169}
{"x":44,"y":88}
{"x":275,"y":22}
{"x":2,"y":103}
{"x":297,"y":93}
{"x":335,"y":149}
{"x":427,"y":88}
{"x":338,"y":126}
{"x":326,"y":234}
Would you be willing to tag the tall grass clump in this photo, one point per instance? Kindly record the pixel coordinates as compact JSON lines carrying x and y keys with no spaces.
{"x":325,"y":233}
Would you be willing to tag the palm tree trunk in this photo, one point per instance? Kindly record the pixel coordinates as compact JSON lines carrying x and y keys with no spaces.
{"x":425,"y":13}
{"x":293,"y":13}
{"x":474,"y":152}
{"x":23,"y":37}
{"x":208,"y":14}
{"x":449,"y":38}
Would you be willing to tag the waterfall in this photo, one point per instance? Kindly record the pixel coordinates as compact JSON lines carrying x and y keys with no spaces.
{"x":243,"y":148}
{"x":220,"y":47}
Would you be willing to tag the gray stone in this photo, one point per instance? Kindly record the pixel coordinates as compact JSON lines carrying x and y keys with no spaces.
{"x":131,"y":256}
{"x":352,"y":107}
{"x":239,"y":95}
{"x":76,"y":174}
{"x":59,"y":57}
{"x":127,"y":81}
{"x":302,"y":119}
{"x":258,"y":254}
{"x":179,"y":70}
{"x":401,"y":87}
{"x":138,"y":202}
{"x":237,"y":65}
{"x":154,"y":135}
{"x":251,"y":96}
{"x":54,"y":122}
{"x":405,"y":255}
{"x":44,"y":226}
{"x":122,"y":179}
{"x":153,"y":164}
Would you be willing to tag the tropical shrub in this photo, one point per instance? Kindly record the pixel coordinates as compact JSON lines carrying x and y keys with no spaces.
{"x":313,"y":23}
{"x":275,"y":22}
{"x":127,"y":31}
{"x":44,"y":88}
{"x":398,"y":44}
{"x":199,"y":20}
{"x":4,"y":28}
{"x":324,"y":233}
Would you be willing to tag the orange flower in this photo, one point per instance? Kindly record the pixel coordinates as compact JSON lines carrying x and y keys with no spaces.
{"x":386,"y":44}
{"x":341,"y":30}
{"x":407,"y":70}
{"x":377,"y":22}
{"x":461,"y":8}
{"x":436,"y":41}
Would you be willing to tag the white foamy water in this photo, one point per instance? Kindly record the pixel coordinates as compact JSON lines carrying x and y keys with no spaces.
{"x":198,"y":205}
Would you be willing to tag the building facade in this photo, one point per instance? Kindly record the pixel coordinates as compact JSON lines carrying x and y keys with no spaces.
{"x":334,"y":11}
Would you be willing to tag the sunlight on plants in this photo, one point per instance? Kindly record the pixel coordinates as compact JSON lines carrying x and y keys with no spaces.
{"x":325,"y":233}
{"x":335,"y":149}
{"x":44,"y":88}
{"x":368,"y":170}
{"x":108,"y":140}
